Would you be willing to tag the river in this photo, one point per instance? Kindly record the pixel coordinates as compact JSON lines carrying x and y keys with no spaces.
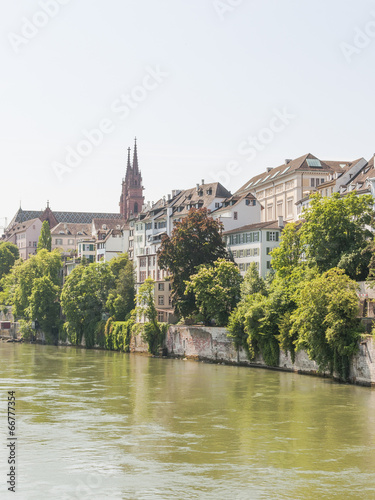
{"x":106,"y":425}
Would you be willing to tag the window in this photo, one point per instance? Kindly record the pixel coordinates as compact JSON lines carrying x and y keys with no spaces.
{"x":249,"y":252}
{"x":142,"y":276}
{"x":269,"y":212}
{"x":240,"y":253}
{"x":59,"y":241}
{"x":160,"y":300}
{"x":235,"y":215}
{"x":217,"y":205}
{"x":35,"y":244}
{"x":272,"y":236}
{"x":289,"y":207}
{"x":142,"y":262}
{"x":315,"y":163}
{"x":70,"y":242}
{"x":161,"y":316}
{"x":161,"y":287}
{"x":268,"y":249}
{"x":255,"y":237}
{"x":268,"y":264}
{"x":234,"y":253}
{"x":280,"y":209}
{"x":256,"y":252}
{"x":242,"y":267}
{"x":312,"y":182}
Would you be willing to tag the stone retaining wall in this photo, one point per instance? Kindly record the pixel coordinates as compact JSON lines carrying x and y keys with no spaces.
{"x":213,"y":344}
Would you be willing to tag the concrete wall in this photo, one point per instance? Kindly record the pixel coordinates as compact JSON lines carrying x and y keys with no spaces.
{"x":212,"y":344}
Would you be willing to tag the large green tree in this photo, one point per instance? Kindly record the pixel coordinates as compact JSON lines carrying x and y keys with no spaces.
{"x":336,"y":233}
{"x":121,"y":300}
{"x":326,"y":321}
{"x":195,"y":240}
{"x":33,"y":288}
{"x":217,"y":290}
{"x":45,"y":238}
{"x":83,"y":300}
{"x":8,"y":256}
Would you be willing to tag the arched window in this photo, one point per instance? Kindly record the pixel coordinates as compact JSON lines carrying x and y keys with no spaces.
{"x":135,"y":207}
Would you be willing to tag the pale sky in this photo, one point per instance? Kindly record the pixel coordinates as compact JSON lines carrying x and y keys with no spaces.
{"x":194,"y":80}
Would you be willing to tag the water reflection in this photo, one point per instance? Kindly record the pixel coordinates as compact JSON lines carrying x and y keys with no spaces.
{"x":96,"y":424}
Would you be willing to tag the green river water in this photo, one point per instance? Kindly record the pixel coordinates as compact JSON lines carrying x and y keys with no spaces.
{"x":107,"y":425}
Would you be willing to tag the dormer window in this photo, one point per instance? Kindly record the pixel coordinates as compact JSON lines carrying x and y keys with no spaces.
{"x":209,"y":191}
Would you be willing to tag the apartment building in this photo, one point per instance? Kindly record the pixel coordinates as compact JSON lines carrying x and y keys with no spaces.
{"x":254,"y":243}
{"x":278,"y":189}
{"x":25,"y":236}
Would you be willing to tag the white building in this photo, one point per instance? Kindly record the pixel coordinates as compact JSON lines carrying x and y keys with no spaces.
{"x":237,"y":211}
{"x":253,"y":243}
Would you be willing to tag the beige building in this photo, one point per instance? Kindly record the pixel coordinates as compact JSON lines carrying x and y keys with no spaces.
{"x":65,"y":236}
{"x":25,"y":236}
{"x":280,"y":188}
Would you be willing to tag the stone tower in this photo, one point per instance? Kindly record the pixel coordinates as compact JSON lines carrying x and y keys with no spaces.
{"x":132,"y":198}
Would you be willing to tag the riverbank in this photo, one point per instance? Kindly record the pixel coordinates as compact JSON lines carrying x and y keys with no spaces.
{"x":212,"y":344}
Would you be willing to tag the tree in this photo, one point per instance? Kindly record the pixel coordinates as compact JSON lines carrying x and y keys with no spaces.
{"x":252,"y":283}
{"x":44,"y":306}
{"x":83,"y":300}
{"x":335,"y":233}
{"x":326,"y":321}
{"x":216,"y":290}
{"x":289,"y":253}
{"x":33,"y":288}
{"x":20,"y":281}
{"x":195,"y":240}
{"x":153,"y":331}
{"x":45,"y":238}
{"x":121,"y":300}
{"x":8,"y":256}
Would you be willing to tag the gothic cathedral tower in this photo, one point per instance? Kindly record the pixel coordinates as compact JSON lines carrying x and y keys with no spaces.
{"x":132,"y":198}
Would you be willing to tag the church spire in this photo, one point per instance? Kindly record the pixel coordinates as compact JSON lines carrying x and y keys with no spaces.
{"x":135,"y":157}
{"x":128,"y":166}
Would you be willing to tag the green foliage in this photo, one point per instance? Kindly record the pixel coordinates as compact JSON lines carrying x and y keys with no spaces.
{"x":27,"y":333}
{"x":8,"y":256}
{"x":44,"y":306}
{"x":121,"y":300}
{"x":33,"y":288}
{"x":252,"y":282}
{"x":83,"y":300}
{"x":326,"y":321}
{"x":118,"y":334}
{"x":45,"y":238}
{"x":196,"y":240}
{"x":153,"y":332}
{"x":216,"y":289}
{"x":335,"y":233}
{"x":288,"y":254}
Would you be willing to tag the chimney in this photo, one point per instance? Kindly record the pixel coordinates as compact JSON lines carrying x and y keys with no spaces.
{"x":169,"y":197}
{"x":281,"y":221}
{"x":197,"y":187}
{"x":269,"y":169}
{"x":202,"y":182}
{"x":287,"y":161}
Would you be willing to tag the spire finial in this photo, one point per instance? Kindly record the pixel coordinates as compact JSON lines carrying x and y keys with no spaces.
{"x":135,"y":157}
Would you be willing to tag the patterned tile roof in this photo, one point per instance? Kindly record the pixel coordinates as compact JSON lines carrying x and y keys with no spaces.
{"x":68,"y":217}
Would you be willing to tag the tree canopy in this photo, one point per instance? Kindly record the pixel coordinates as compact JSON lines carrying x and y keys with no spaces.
{"x":336,"y":233}
{"x":8,"y":255}
{"x":45,"y":238}
{"x":195,"y":240}
{"x":216,"y":289}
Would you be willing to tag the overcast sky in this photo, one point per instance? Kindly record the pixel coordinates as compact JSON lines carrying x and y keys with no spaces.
{"x":213,"y":89}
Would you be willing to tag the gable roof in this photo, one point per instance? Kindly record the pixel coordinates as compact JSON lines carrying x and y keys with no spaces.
{"x":299,"y":164}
